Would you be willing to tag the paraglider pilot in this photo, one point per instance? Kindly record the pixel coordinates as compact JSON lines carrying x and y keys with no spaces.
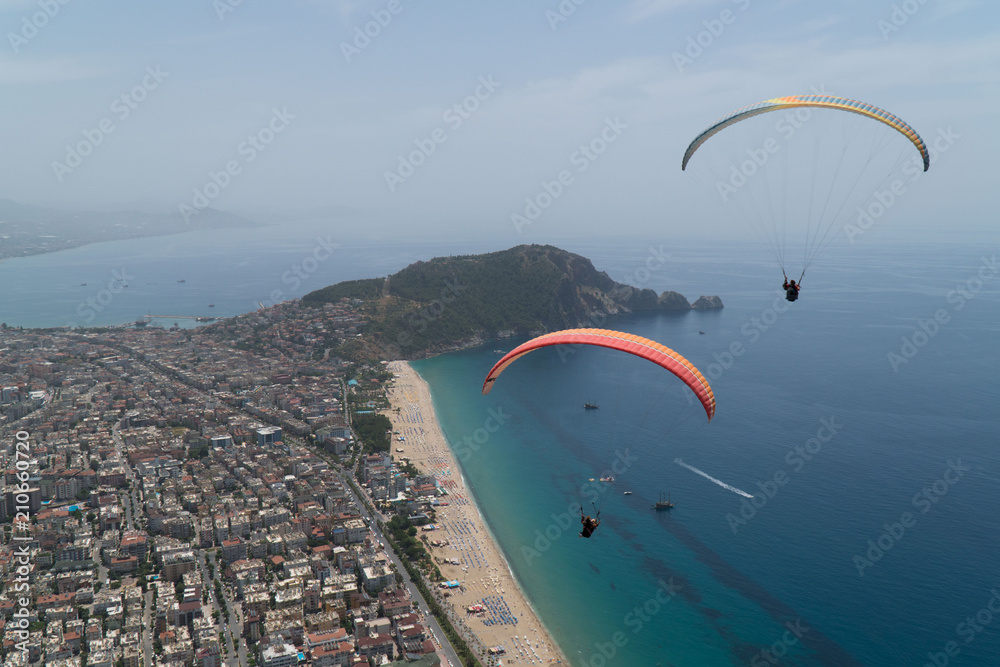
{"x":791,"y":289}
{"x":589,"y":524}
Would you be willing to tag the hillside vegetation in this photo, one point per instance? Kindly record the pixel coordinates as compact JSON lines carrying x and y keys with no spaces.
{"x":452,"y":302}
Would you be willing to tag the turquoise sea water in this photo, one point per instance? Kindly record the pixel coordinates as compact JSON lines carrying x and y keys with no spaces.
{"x":727,"y":596}
{"x":795,"y":575}
{"x":231,"y":271}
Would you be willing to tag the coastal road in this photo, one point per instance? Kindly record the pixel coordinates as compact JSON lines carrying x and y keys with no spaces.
{"x":236,"y":629}
{"x":130,"y":498}
{"x":147,"y":630}
{"x":228,"y":627}
{"x":429,"y":621}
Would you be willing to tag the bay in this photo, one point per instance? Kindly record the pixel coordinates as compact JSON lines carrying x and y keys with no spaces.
{"x":224,"y":272}
{"x":818,"y":569}
{"x":895,"y":344}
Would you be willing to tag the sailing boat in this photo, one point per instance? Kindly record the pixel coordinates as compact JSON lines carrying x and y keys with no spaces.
{"x":662,"y":504}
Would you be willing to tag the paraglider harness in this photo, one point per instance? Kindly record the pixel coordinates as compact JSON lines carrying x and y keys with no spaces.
{"x":792,"y":288}
{"x":589,"y":524}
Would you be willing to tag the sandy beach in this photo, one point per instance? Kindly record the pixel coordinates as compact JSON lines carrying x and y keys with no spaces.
{"x":471,"y":556}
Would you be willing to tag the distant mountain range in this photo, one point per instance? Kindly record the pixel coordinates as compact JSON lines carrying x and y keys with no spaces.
{"x":453,"y":302}
{"x":34,"y":230}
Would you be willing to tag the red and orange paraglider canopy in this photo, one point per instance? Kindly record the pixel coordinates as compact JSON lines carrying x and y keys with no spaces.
{"x":615,"y":340}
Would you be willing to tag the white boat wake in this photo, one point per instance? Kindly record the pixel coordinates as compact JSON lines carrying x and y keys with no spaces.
{"x":709,"y":477}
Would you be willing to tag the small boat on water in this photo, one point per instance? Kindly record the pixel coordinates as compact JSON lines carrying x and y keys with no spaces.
{"x":662,"y":504}
{"x":609,"y":479}
{"x":702,"y":332}
{"x":628,"y":493}
{"x":590,"y":406}
{"x":83,"y":284}
{"x":182,"y":281}
{"x":211,"y":305}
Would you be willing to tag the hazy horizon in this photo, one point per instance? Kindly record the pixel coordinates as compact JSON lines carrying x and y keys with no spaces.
{"x":166,"y":102}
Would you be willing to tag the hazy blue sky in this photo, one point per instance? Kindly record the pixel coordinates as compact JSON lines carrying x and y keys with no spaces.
{"x":553,"y":82}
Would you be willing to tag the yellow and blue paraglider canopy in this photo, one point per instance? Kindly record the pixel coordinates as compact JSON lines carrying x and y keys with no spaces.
{"x":817,"y":101}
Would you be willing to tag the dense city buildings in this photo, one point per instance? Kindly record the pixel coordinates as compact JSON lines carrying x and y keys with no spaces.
{"x":181,"y":497}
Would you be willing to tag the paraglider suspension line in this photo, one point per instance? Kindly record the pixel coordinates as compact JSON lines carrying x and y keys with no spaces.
{"x":597,"y":511}
{"x":800,"y":275}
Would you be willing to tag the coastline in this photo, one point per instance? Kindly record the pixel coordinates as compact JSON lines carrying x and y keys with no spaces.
{"x":482,"y":570}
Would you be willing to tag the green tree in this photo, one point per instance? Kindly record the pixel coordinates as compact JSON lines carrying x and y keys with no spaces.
{"x":373,"y":430}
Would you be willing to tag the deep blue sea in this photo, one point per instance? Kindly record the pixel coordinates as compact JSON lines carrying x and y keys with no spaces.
{"x":874,"y":539}
{"x":836,"y":442}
